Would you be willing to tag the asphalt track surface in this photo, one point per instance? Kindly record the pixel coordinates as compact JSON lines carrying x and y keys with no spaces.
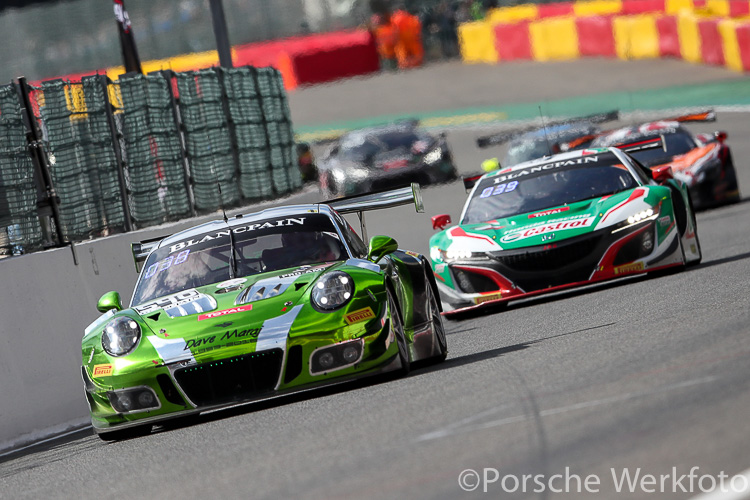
{"x":649,"y":374}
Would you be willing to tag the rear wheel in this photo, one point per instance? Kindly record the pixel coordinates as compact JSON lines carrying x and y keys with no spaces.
{"x":733,"y":188}
{"x":397,"y":328}
{"x":441,"y":343}
{"x":695,"y":229}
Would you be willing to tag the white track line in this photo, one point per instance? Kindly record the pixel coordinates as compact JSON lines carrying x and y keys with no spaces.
{"x":458,"y":428}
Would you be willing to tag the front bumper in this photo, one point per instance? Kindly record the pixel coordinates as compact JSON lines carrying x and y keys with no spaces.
{"x":184,"y":388}
{"x":592,"y":258}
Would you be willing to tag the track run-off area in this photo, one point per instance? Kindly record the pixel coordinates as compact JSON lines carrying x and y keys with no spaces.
{"x":636,"y":389}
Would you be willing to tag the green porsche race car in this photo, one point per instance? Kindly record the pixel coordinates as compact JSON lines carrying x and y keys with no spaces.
{"x":256,"y":306}
{"x":562,"y":221}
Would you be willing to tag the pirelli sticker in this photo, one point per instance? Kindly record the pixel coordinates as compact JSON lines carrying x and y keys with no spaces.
{"x":360,"y":315}
{"x":629,"y":268}
{"x":103,"y":370}
{"x":487,"y":298}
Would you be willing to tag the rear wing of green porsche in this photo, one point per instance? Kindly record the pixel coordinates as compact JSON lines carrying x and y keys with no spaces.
{"x":378,"y":200}
{"x":141,"y":250}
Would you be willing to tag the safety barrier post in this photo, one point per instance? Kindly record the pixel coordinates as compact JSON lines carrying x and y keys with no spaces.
{"x":47,"y":200}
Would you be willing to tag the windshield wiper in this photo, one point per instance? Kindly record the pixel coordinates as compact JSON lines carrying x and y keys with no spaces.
{"x":232,"y":255}
{"x":232,"y":259}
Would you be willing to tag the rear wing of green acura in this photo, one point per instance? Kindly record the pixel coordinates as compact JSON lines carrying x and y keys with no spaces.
{"x":390,"y":198}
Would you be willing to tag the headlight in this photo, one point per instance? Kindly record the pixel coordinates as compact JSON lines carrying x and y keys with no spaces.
{"x":120,"y":336}
{"x":332,"y":290}
{"x":436,"y":253}
{"x":452,"y":254}
{"x":642,"y":215}
{"x":433,"y":156}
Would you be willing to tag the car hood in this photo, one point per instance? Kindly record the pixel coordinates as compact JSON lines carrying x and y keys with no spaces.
{"x":243,"y":315}
{"x":546,"y":226}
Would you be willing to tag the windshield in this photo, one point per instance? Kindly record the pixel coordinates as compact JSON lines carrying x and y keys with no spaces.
{"x":531,"y":148}
{"x":677,"y":143}
{"x":263,"y":246}
{"x":545,"y":186}
{"x":525,"y":151}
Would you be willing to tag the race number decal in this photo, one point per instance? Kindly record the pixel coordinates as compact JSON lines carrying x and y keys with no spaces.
{"x":499,"y":189}
{"x":169,"y":301}
{"x":163,"y":265}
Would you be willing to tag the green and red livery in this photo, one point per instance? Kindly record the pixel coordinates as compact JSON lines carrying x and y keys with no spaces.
{"x":562,"y":221}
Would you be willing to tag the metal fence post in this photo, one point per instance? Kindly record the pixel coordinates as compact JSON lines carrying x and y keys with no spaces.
{"x":104,"y":82}
{"x":47,"y":198}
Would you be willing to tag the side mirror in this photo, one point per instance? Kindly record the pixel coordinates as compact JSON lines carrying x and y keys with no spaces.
{"x":662,"y":174}
{"x":721,"y":136}
{"x":440,"y":221}
{"x":109,"y":301}
{"x":380,"y":246}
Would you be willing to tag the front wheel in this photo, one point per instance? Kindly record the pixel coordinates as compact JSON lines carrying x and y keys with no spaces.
{"x":438,"y":330}
{"x":124,"y":434}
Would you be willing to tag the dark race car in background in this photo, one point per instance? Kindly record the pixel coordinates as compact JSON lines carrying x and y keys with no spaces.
{"x":702,"y":161}
{"x":558,"y":222}
{"x":530,"y":143}
{"x":381,"y":157}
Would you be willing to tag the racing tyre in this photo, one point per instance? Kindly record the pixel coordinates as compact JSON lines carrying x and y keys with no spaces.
{"x":397,"y":327}
{"x":124,"y":434}
{"x":437,"y":326}
{"x":733,"y":187}
{"x":697,"y":240}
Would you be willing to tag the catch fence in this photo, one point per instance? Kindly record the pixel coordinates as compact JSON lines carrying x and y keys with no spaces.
{"x":91,"y":158}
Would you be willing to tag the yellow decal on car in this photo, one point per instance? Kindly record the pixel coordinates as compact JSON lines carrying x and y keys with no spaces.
{"x":629,"y":268}
{"x":103,"y":370}
{"x":360,"y":315}
{"x":487,"y":298}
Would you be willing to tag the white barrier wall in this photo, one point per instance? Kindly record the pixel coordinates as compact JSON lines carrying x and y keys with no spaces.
{"x":47,"y":302}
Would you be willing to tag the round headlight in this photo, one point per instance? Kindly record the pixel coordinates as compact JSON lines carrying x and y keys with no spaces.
{"x":332,"y":290}
{"x":120,"y":336}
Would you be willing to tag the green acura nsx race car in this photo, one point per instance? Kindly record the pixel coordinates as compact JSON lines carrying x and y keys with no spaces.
{"x":256,"y":306}
{"x":562,"y":221}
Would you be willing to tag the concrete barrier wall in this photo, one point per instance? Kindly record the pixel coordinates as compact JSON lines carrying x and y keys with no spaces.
{"x":47,"y":302}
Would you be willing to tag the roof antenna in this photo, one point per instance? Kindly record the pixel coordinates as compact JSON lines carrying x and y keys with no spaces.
{"x":232,"y":245}
{"x":221,"y":202}
{"x":544,"y":128}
